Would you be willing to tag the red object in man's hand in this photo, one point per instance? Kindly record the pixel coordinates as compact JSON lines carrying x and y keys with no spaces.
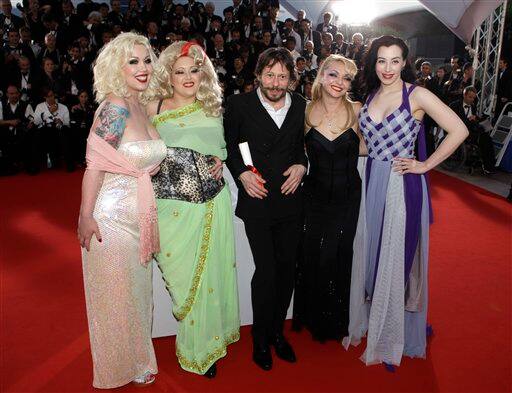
{"x":255,"y":171}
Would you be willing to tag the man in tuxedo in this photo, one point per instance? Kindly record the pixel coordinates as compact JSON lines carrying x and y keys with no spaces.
{"x":12,"y":131}
{"x":466,"y":110}
{"x":327,"y":26}
{"x":70,"y":25}
{"x":28,"y":81}
{"x":307,"y":34}
{"x":271,"y":121}
{"x":504,"y":87}
{"x":13,"y":49}
{"x":357,"y":49}
{"x":115,"y":16}
{"x":339,"y":46}
{"x":8,"y":21}
{"x":273,"y":24}
{"x":207,"y":16}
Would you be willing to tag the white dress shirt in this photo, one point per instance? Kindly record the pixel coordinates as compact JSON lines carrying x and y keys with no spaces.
{"x":277,"y":115}
{"x":467,"y":110}
{"x":43,"y":116}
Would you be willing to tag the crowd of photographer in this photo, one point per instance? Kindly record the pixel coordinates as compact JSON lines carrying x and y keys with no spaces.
{"x":454,"y":84}
{"x":48,"y":53}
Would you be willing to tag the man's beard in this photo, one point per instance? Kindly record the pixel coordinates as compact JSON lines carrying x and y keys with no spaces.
{"x":265,"y":91}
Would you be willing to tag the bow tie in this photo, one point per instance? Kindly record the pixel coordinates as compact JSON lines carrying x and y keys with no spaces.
{"x":467,"y":106}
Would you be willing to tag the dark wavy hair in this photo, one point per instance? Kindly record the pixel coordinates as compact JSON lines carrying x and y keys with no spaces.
{"x":271,"y":56}
{"x":369,"y":79}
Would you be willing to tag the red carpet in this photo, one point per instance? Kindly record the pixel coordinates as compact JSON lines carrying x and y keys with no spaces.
{"x":44,"y":339}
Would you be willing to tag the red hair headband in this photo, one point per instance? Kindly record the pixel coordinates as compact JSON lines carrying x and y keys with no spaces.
{"x":186,"y":48}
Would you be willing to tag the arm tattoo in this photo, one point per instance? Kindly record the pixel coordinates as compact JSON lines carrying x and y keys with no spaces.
{"x":112,"y":122}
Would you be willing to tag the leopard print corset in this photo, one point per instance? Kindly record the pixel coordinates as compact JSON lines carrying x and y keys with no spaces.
{"x":184,"y":175}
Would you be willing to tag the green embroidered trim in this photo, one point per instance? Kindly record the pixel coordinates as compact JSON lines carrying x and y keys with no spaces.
{"x":196,"y":280}
{"x":201,"y":366}
{"x":177,"y":113}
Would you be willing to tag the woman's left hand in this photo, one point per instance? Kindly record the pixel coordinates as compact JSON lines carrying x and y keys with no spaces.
{"x":409,"y":165}
{"x":216,"y":170}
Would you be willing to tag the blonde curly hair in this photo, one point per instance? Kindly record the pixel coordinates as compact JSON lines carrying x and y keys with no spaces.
{"x":108,"y":76}
{"x":209,"y":93}
{"x":316,"y":90}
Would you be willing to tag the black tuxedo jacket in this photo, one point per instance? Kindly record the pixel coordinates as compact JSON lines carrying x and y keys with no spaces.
{"x":458,"y":108}
{"x":273,"y":151}
{"x":330,"y":28}
{"x":34,"y":81}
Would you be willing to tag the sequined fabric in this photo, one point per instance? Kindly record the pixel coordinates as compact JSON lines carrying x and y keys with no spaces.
{"x":185,"y":176}
{"x":118,"y":289}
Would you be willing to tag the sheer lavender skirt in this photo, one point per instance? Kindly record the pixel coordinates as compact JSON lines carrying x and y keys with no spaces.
{"x":395,"y":317}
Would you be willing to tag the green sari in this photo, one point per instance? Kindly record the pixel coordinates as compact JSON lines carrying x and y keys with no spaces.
{"x":197,"y":257}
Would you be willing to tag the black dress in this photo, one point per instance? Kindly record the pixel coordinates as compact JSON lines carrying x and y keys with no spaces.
{"x":332,"y":192}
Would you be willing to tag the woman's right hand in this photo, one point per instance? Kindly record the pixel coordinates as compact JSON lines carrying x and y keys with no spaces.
{"x":87,"y":226}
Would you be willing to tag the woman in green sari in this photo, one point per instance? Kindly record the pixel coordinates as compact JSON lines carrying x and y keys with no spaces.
{"x":197,"y":257}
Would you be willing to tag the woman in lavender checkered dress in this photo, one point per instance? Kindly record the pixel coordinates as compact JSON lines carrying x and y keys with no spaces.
{"x":390,"y":267}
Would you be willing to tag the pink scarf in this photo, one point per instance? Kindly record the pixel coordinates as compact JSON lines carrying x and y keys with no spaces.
{"x":103,"y":157}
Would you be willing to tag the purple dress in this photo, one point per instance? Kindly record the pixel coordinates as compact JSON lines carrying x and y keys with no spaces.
{"x":389,"y":289}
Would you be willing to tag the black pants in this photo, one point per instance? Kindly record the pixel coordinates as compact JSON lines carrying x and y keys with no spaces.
{"x":59,"y":143}
{"x":274,"y":246}
{"x":34,"y":153}
{"x":485,"y":145}
{"x":11,"y":144}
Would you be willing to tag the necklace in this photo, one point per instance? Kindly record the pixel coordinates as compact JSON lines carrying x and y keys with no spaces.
{"x":330,"y":120}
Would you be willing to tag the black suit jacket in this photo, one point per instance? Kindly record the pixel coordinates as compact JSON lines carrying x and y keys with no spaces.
{"x":504,"y":88}
{"x":458,"y":108}
{"x":330,"y":28}
{"x":273,"y":151}
{"x":34,"y":82}
{"x":316,"y":37}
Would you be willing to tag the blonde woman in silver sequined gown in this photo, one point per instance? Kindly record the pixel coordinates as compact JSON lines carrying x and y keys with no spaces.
{"x":118,"y":287}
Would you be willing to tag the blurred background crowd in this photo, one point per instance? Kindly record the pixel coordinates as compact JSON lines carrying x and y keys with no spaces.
{"x":48,"y":51}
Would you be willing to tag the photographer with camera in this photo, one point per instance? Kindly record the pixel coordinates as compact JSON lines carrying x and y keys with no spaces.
{"x":8,"y":21}
{"x":256,"y":36}
{"x":13,"y":49}
{"x":13,"y":128}
{"x":28,"y":81}
{"x":425,"y":76}
{"x":218,"y":53}
{"x":309,"y":54}
{"x":327,"y":26}
{"x":357,"y":49}
{"x":52,"y":119}
{"x":287,"y":31}
{"x":76,"y":74}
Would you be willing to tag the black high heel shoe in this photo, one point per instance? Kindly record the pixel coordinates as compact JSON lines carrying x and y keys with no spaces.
{"x":211,"y":372}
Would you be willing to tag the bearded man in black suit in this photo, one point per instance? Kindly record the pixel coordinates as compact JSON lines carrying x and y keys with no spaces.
{"x":271,"y":120}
